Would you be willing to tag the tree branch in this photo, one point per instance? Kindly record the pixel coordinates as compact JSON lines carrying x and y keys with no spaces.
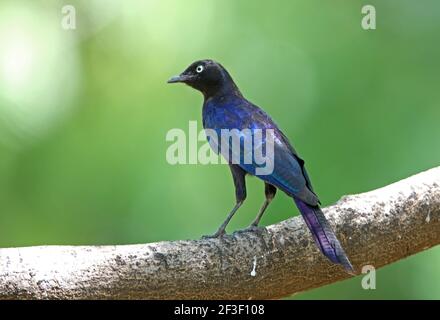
{"x":375,"y":228}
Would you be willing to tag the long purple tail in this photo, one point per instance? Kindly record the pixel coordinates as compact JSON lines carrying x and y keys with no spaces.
{"x":323,"y":234}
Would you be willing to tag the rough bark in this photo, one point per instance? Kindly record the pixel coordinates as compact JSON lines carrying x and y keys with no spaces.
{"x":376,"y":228}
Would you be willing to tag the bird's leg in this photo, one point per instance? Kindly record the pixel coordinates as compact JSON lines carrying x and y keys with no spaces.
{"x":221,"y":230}
{"x":238,"y":175}
{"x":269,"y":191}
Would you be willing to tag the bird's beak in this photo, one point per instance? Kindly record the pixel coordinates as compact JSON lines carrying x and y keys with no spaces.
{"x":180,"y":78}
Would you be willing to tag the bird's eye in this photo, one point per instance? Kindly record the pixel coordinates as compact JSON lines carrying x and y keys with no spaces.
{"x":199,"y":69}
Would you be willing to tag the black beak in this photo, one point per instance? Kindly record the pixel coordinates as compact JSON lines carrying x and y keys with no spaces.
{"x":181,"y":78}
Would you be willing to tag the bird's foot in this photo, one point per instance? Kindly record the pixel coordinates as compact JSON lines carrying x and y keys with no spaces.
{"x":253,"y":228}
{"x":216,"y":235}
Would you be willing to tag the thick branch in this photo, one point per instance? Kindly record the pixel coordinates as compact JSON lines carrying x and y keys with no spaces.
{"x":376,"y":228}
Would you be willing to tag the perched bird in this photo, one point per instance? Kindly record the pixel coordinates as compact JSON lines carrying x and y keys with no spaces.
{"x":225,"y":107}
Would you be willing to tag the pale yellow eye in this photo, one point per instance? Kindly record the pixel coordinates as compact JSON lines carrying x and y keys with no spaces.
{"x":199,"y":69}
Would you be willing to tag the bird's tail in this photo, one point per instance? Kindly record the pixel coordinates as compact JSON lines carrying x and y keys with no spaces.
{"x":323,"y":234}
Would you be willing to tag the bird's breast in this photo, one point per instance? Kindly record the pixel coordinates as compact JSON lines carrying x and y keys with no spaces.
{"x":227,"y":116}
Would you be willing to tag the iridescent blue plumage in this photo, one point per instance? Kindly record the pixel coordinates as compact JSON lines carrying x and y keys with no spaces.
{"x":225,"y":108}
{"x":235,"y":112}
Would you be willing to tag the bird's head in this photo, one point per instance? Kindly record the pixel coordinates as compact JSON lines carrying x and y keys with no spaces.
{"x":207,"y":76}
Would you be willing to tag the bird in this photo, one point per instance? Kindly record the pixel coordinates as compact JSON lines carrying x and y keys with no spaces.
{"x":225,"y":108}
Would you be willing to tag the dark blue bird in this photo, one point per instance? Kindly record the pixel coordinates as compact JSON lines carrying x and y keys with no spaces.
{"x":225,"y":107}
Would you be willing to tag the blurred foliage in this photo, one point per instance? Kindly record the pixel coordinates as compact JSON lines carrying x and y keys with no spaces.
{"x":84,"y":113}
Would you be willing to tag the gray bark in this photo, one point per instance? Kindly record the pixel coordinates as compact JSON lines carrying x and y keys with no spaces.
{"x":375,"y":228}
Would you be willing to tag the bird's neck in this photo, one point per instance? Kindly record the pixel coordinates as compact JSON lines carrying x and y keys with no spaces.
{"x":226,"y":88}
{"x":222,"y":92}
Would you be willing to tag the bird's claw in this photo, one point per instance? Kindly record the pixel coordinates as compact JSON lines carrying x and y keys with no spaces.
{"x":253,"y":228}
{"x":214,"y":236}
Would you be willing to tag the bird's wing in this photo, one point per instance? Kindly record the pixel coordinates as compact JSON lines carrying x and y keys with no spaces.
{"x":298,"y":158}
{"x":288,"y":172}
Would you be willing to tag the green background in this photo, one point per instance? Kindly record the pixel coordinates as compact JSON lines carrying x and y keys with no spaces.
{"x":84,"y":114}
